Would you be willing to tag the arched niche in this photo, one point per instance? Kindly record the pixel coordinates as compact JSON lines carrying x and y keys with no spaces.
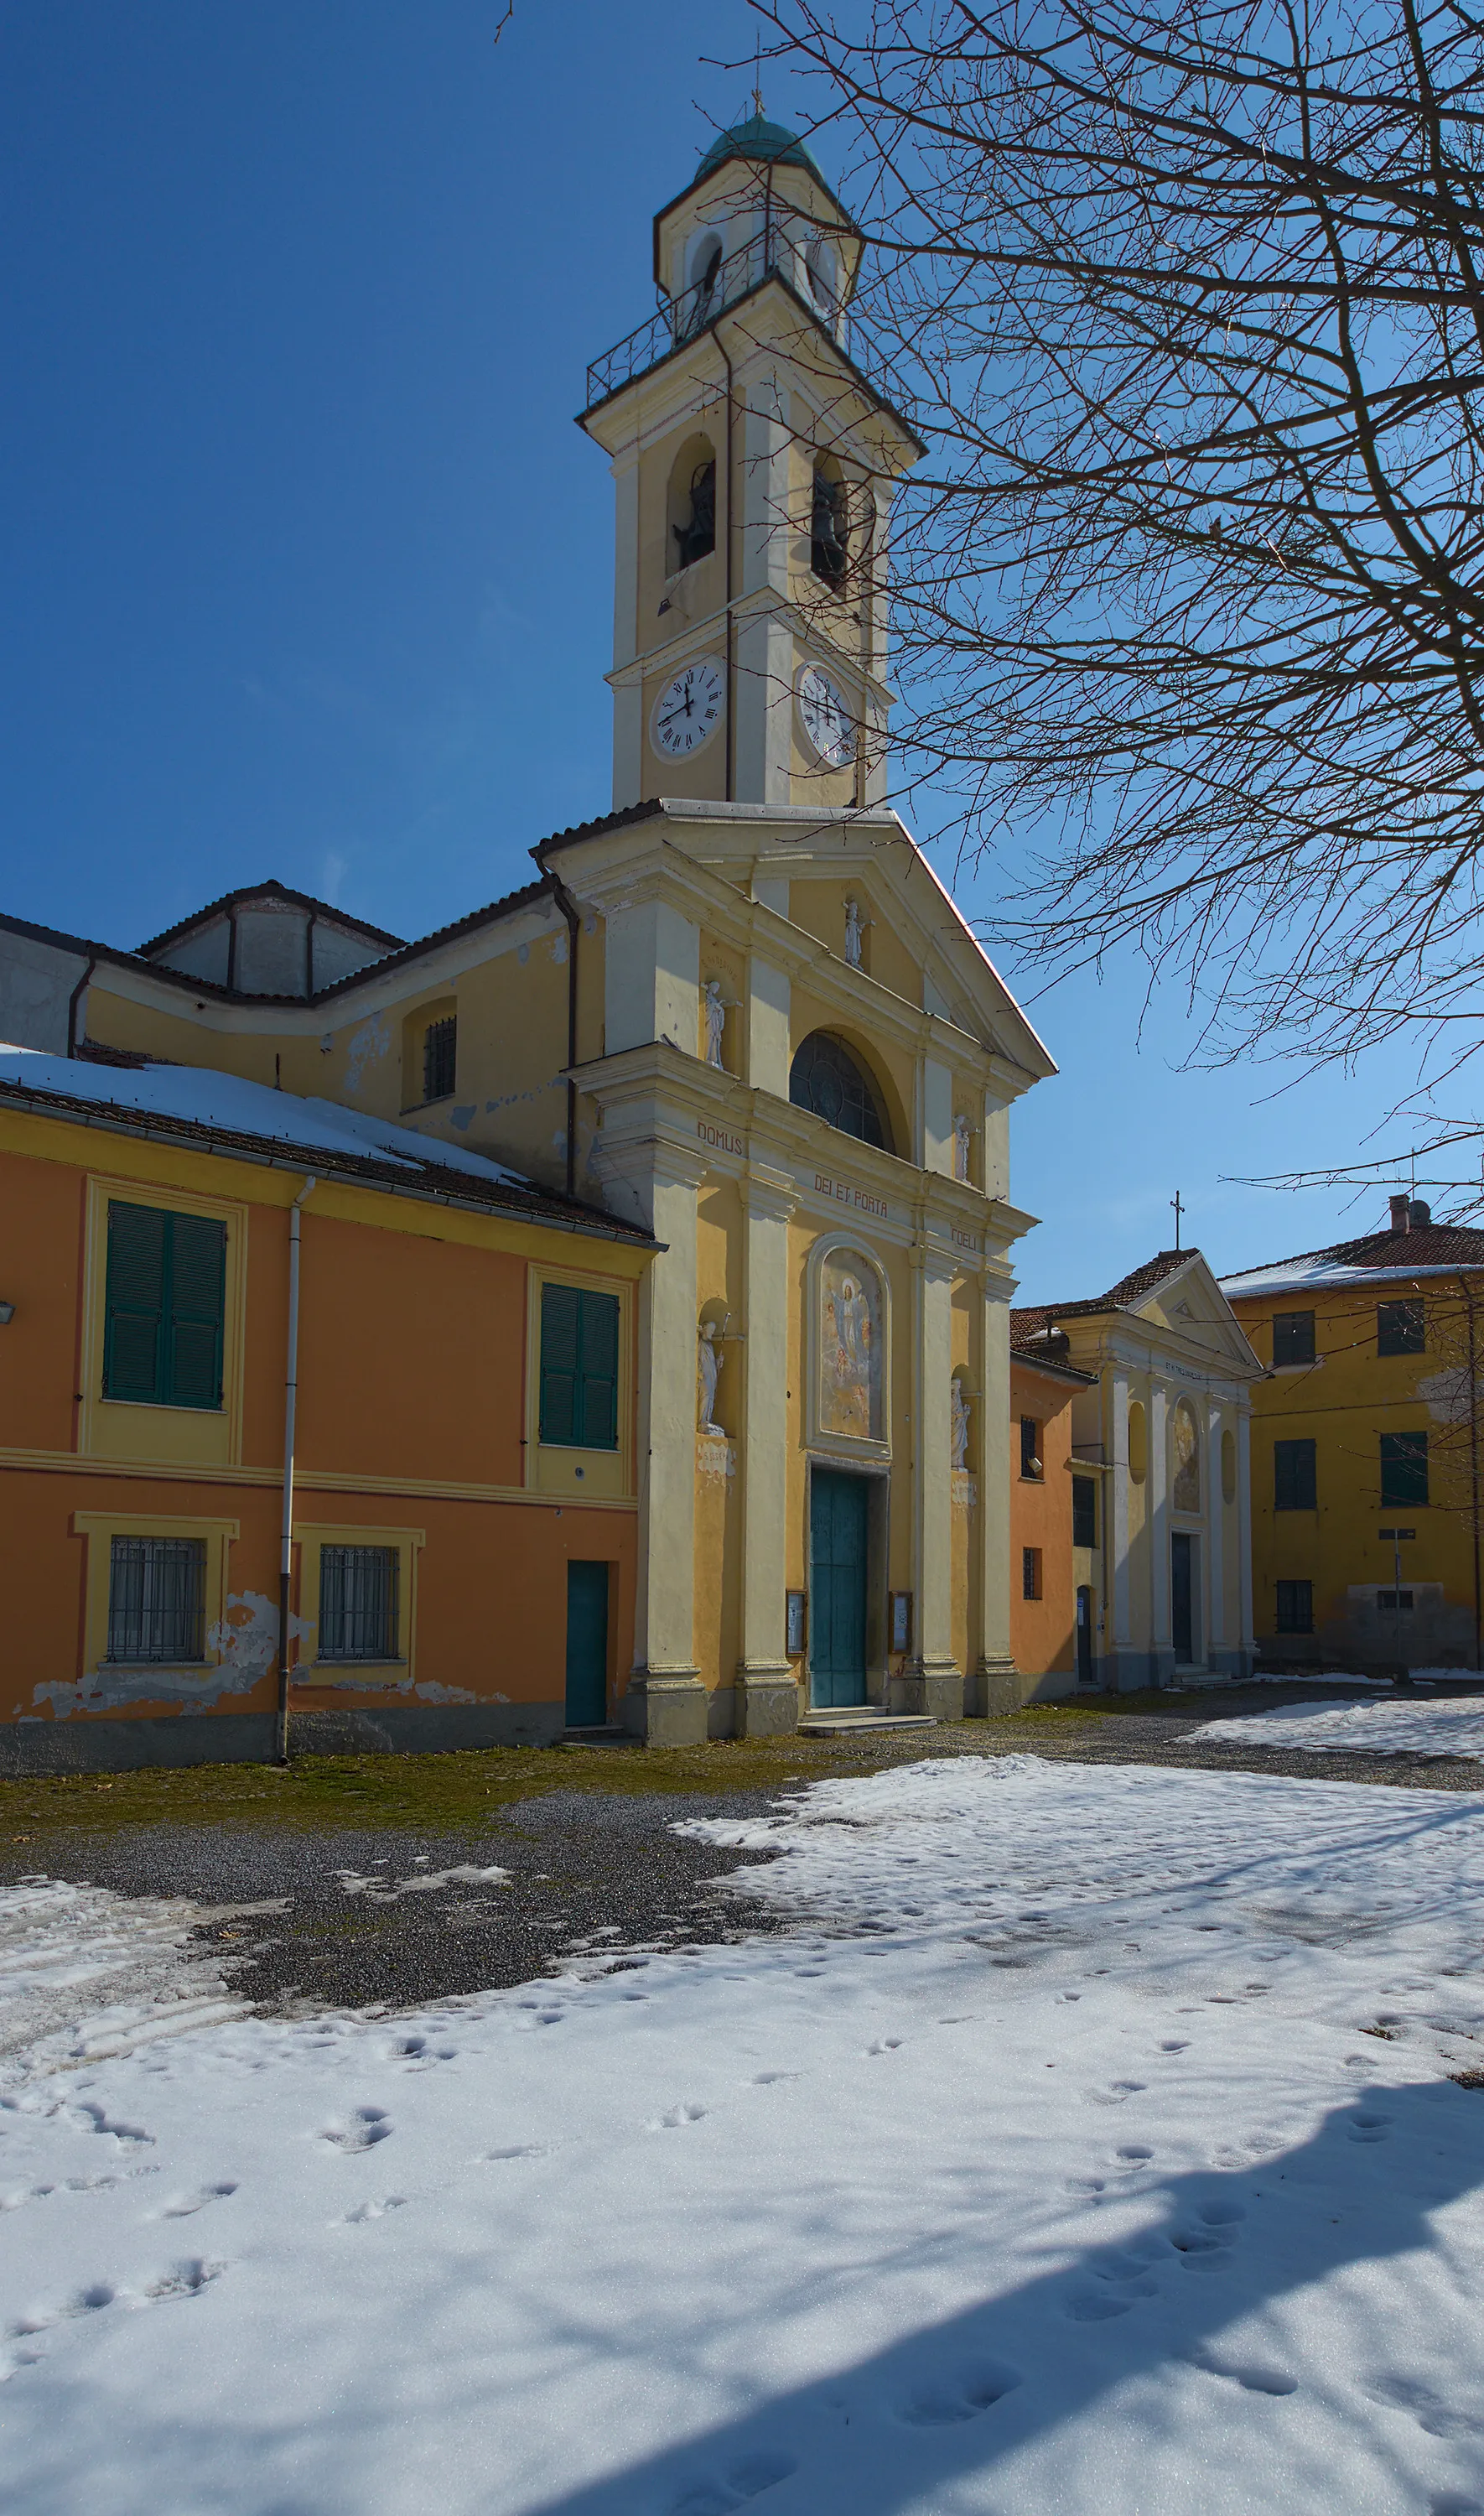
{"x":702,"y":293}
{"x":829,"y":1077}
{"x":1138,"y":1441}
{"x":848,"y":1315}
{"x":691,"y":505}
{"x":1185,"y":1457}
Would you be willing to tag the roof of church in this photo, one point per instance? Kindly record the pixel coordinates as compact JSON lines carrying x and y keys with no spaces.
{"x":757,"y":137}
{"x":272,"y":890}
{"x":1423,"y":1249}
{"x":1040,"y":1320}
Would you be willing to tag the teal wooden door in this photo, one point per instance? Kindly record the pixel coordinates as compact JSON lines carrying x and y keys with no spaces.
{"x":586,"y":1645}
{"x":836,"y":1587}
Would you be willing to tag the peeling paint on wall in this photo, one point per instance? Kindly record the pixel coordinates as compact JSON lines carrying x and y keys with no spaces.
{"x":372,"y":1040}
{"x":245,"y":1644}
{"x":464,"y":1115}
{"x":428,"y":1691}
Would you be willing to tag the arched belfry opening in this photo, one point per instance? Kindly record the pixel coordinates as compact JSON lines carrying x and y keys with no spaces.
{"x":829,"y":1078}
{"x":830,"y":524}
{"x":693,"y":503}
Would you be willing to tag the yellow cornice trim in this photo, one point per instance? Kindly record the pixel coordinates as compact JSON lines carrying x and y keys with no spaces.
{"x":311,"y":1480}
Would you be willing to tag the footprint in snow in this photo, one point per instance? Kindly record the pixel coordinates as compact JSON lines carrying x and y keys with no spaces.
{"x":365,"y":2210}
{"x":1134,"y":2153}
{"x":719,"y":2494}
{"x":1176,"y":2044}
{"x":679,"y":2116}
{"x":774,"y":2079}
{"x":1250,"y":2374}
{"x":185,"y":2205}
{"x":1432,"y":2414}
{"x":1370,"y":2127}
{"x":1092,"y":2306}
{"x":362,"y":2128}
{"x":885,"y":2044}
{"x":961,"y":2396}
{"x":529,"y":2149}
{"x":182,"y":2280}
{"x":1116,"y":2093}
{"x":418,"y":2053}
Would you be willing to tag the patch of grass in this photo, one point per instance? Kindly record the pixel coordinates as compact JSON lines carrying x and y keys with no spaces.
{"x":456,"y":1793}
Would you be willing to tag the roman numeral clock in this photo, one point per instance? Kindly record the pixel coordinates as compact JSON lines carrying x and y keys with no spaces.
{"x":688,"y":709}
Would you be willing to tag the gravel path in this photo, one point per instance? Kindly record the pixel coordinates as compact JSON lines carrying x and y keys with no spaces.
{"x":398,"y":1915}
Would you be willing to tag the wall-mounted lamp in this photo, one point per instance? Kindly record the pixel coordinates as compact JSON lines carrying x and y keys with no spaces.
{"x":7,"y":1314}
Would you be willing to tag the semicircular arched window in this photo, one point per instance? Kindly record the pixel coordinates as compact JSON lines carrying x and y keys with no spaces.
{"x":826,"y":1079}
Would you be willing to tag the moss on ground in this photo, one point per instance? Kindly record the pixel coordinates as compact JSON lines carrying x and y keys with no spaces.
{"x":460,"y":1789}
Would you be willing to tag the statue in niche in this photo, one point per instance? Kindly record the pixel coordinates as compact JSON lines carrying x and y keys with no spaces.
{"x":960,"y":1405}
{"x":962,"y":1131}
{"x":853,"y":932}
{"x":709,"y":1359}
{"x":850,"y":1349}
{"x":1185,"y":1490}
{"x":715,"y":1020}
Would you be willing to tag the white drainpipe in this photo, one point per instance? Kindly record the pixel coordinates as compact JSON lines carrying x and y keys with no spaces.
{"x":290,"y":1404}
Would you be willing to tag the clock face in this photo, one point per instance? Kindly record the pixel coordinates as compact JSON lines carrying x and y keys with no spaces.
{"x":826,"y":719}
{"x":688,"y":709}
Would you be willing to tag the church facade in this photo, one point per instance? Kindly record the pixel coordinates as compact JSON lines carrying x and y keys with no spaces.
{"x":738,"y":1014}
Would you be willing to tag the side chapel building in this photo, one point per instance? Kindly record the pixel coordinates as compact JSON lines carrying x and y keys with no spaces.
{"x":739,"y":1017}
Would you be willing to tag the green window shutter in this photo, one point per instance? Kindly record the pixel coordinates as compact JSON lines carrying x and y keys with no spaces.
{"x":599,"y":1408}
{"x":134,"y":1304}
{"x":1403,"y":1470}
{"x":198,"y":1310}
{"x":559,"y":1358}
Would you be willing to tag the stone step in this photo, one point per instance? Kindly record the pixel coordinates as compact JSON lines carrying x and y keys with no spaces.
{"x":848,"y":1724}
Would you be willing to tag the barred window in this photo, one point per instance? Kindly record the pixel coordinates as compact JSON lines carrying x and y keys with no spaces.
{"x":1030,"y":1572}
{"x":1295,"y":1607}
{"x":157,"y":1599}
{"x":358,"y":1602}
{"x":1030,"y":1449}
{"x":440,"y":1042}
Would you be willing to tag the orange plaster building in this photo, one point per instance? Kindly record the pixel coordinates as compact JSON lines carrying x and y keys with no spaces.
{"x":1049,"y":1606}
{"x":145,"y":1269}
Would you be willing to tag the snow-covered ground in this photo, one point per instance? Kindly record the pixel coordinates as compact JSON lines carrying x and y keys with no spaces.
{"x":1392,"y":1725}
{"x":1090,"y":2148}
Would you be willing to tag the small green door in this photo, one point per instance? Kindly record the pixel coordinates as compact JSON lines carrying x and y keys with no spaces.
{"x":587,"y":1646}
{"x":838,"y":1507}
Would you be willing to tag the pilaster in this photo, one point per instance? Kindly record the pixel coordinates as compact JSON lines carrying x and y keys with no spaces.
{"x":1213,"y":1602}
{"x":768,"y":996}
{"x":996,"y":1683}
{"x":764,"y":683}
{"x":1126,"y":1670}
{"x":766,"y":1689}
{"x":666,"y":1701}
{"x":1157,"y":1540}
{"x":932,"y":1681}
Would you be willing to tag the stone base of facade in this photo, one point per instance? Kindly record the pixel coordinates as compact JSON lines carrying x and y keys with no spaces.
{"x":99,"y":1746}
{"x":995,"y":1685}
{"x":425,"y":1729}
{"x":1232,"y":1664}
{"x":765,"y":1699}
{"x":668,"y":1710}
{"x":931,"y":1686}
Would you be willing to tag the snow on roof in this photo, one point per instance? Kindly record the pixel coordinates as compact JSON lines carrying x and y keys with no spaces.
{"x":1318,"y":1275}
{"x":207,"y":1098}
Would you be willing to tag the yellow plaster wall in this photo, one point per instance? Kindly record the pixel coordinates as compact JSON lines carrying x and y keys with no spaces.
{"x":1343,"y":1402}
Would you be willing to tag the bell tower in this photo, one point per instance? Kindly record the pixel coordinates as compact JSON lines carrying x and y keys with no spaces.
{"x":754,"y":468}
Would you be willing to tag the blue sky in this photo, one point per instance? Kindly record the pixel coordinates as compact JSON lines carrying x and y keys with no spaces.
{"x":309,"y":570}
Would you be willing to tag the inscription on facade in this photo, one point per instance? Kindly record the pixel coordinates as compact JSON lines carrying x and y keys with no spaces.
{"x":721,"y":1139}
{"x":861,"y":1199}
{"x":966,"y":1240}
